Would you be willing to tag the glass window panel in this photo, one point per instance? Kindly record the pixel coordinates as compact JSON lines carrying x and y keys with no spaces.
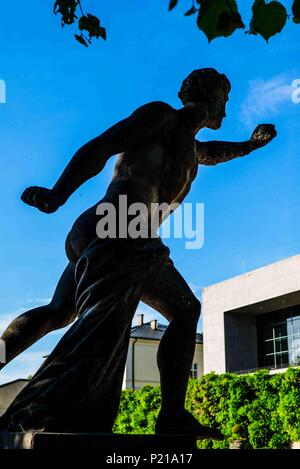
{"x":194,"y":371}
{"x":296,"y":325}
{"x":282,"y":316}
{"x":294,"y":351}
{"x":280,"y":330}
{"x":267,"y":332}
{"x":268,"y":360}
{"x":282,"y":359}
{"x":290,"y":327}
{"x":268,"y":347}
{"x":281,"y":345}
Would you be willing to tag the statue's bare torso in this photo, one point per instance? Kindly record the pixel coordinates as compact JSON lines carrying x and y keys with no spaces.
{"x":160,"y":169}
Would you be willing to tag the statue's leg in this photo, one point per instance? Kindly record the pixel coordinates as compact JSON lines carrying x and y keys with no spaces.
{"x":169,"y":294}
{"x":77,"y":389}
{"x":32,"y":325}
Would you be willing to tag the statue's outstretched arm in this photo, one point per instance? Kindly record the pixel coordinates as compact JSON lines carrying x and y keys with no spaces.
{"x":90,"y":159}
{"x":212,"y":153}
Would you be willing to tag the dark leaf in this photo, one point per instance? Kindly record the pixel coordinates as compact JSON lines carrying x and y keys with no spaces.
{"x":218,"y":18}
{"x":83,"y":23}
{"x":228,"y":23}
{"x":81,"y":40}
{"x":191,"y":11}
{"x":91,"y":24}
{"x":173,"y":4}
{"x":296,"y":11}
{"x":67,"y":9}
{"x":102,"y":33}
{"x":268,"y":18}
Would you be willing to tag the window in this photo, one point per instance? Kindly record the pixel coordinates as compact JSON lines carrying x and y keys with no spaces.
{"x":194,"y":371}
{"x":279,"y":338}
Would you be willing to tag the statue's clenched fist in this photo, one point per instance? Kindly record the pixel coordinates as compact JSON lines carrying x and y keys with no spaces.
{"x":46,"y":200}
{"x":263,"y":134}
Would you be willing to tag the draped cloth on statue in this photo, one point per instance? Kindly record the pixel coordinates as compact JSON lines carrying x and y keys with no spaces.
{"x":78,"y":387}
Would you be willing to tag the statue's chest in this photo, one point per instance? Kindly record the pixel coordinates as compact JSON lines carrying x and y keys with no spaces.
{"x":180,"y":170}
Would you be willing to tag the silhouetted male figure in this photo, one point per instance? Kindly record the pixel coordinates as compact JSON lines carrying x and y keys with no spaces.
{"x":158,"y":160}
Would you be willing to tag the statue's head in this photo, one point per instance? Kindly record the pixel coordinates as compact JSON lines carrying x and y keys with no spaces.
{"x":207,"y":87}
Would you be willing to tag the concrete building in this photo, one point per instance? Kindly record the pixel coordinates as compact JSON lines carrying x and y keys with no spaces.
{"x":253,"y":320}
{"x":141,"y":367}
{"x":9,"y":391}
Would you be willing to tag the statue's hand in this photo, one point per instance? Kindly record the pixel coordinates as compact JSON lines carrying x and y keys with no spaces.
{"x":263,"y":134}
{"x":46,"y":200}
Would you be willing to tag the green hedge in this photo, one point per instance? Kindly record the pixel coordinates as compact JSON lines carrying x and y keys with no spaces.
{"x":261,"y":409}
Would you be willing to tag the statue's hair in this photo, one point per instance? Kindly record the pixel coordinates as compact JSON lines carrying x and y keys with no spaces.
{"x":200,"y":84}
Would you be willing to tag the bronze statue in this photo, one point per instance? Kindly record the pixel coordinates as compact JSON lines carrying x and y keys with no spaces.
{"x":79,"y":385}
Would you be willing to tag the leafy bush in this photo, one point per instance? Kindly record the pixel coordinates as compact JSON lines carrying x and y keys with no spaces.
{"x":138,"y":411}
{"x":261,"y":409}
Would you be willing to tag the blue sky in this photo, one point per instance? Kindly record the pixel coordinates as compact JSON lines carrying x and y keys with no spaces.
{"x":59,"y":95}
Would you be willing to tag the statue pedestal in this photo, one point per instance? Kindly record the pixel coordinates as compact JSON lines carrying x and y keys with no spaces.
{"x":110,"y":446}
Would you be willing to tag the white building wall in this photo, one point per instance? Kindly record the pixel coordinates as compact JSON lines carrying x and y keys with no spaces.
{"x":9,"y":391}
{"x":145,"y":366}
{"x":277,"y":280}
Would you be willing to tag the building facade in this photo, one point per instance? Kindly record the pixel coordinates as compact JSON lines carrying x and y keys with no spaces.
{"x":253,"y":320}
{"x":9,"y":391}
{"x":141,"y":367}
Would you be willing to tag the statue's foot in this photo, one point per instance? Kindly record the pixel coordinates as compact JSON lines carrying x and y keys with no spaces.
{"x":184,"y":423}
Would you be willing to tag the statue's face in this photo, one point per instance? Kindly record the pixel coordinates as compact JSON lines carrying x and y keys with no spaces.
{"x":217,"y":108}
{"x":207,"y":89}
